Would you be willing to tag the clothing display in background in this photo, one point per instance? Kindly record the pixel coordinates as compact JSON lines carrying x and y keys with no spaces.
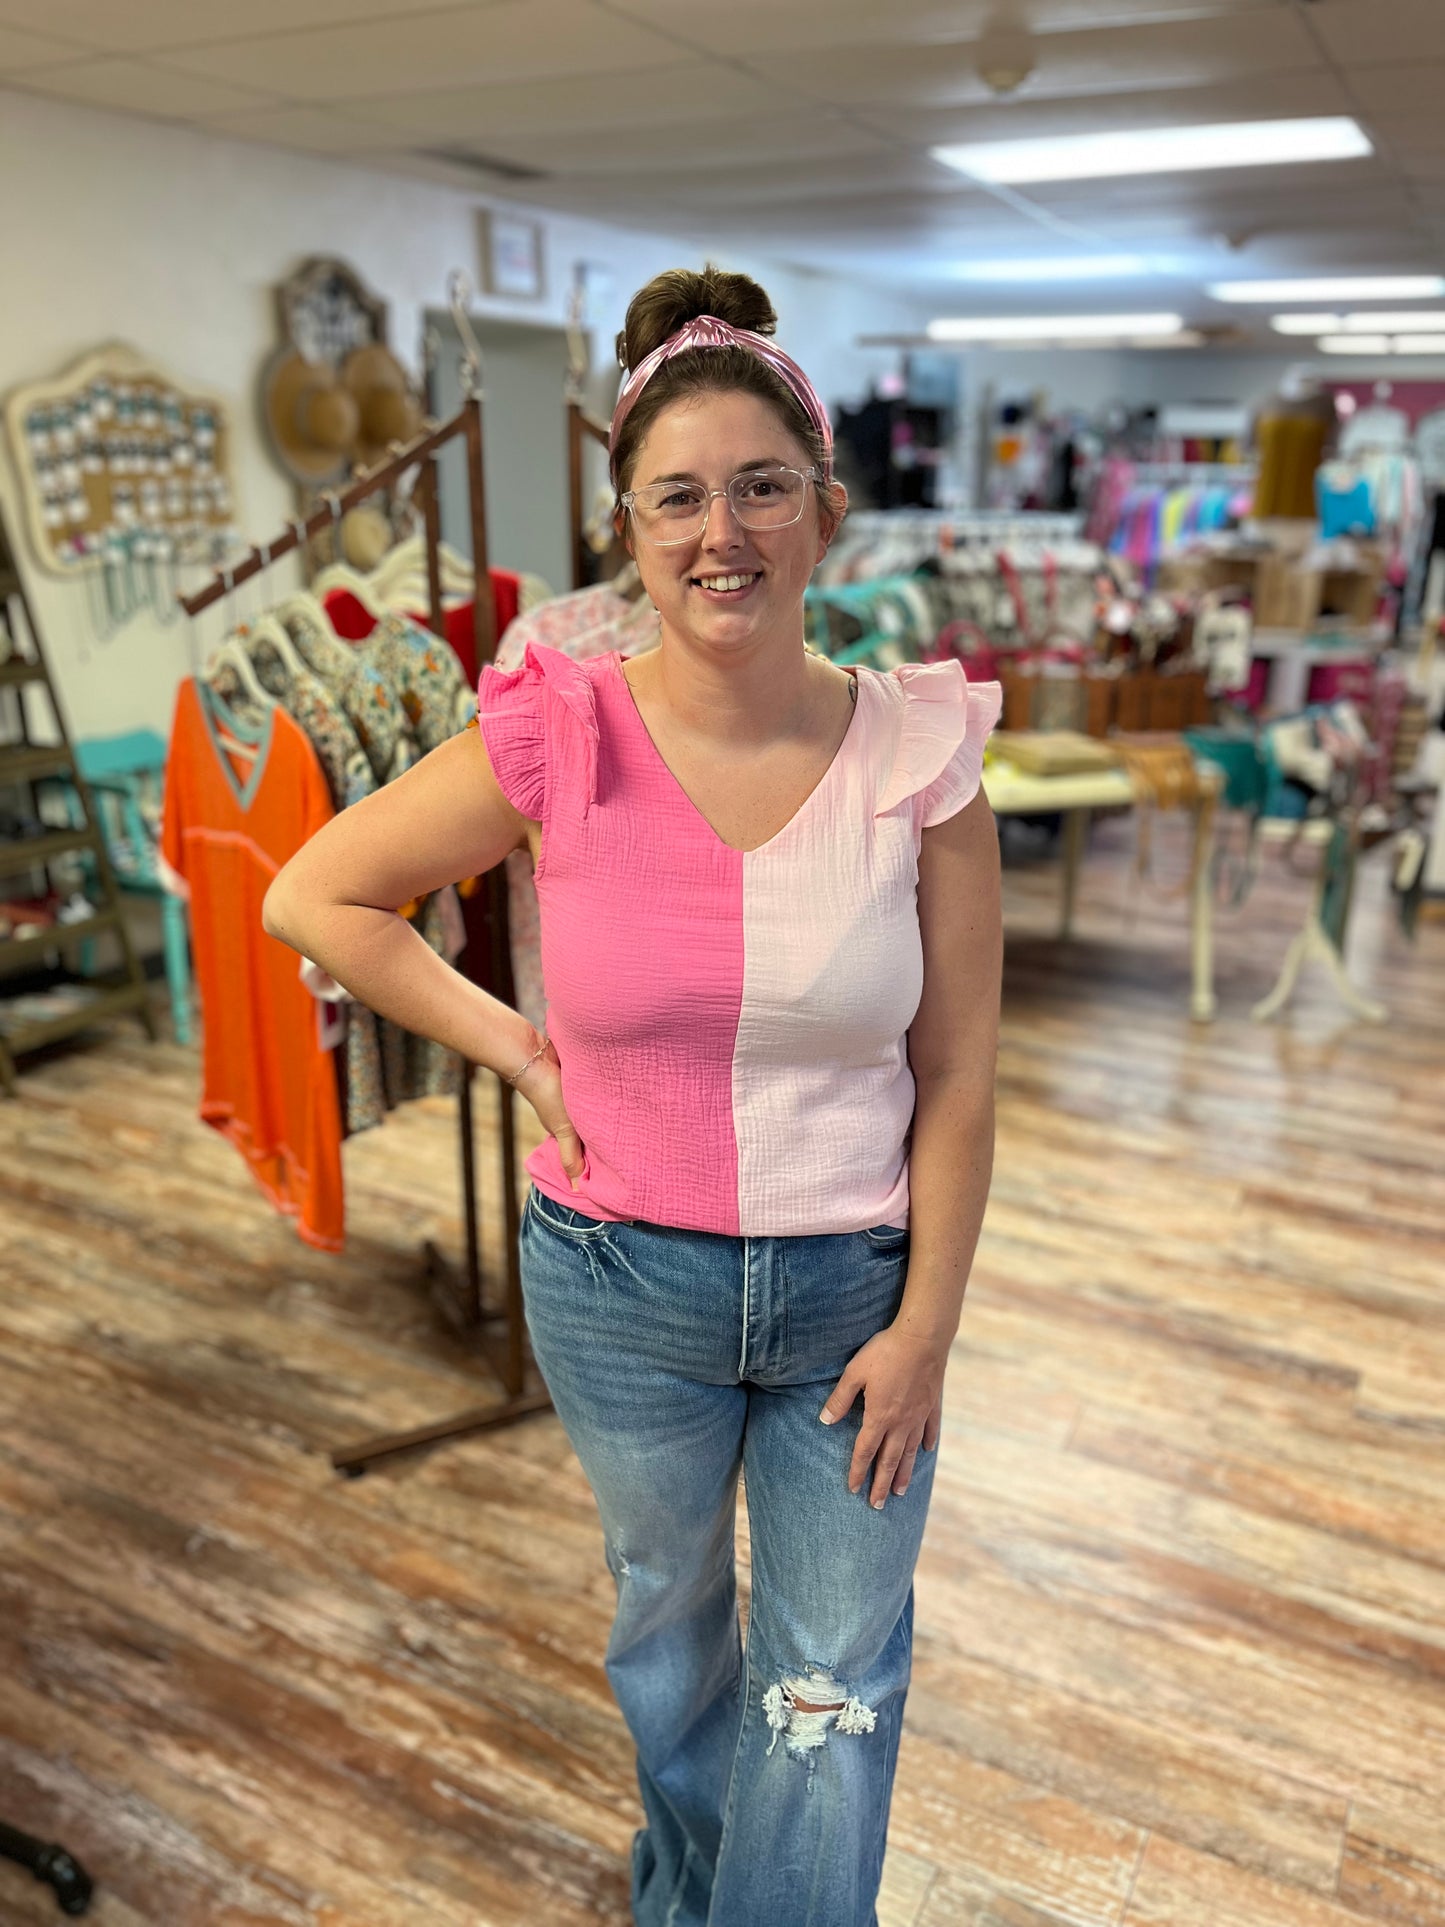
{"x":1291,"y":435}
{"x":366,"y":711}
{"x":892,"y":588}
{"x":1153,"y":520}
{"x":1344,"y":501}
{"x":232,"y":817}
{"x":354,"y":618}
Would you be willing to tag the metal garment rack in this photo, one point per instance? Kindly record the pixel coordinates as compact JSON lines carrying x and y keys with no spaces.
{"x":581,"y":428}
{"x":500,"y":1334}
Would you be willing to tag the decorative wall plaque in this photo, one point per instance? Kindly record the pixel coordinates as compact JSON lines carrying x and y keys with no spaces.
{"x":117,"y":458}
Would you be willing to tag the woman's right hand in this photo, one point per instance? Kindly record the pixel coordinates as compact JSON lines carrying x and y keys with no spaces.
{"x":541,"y":1085}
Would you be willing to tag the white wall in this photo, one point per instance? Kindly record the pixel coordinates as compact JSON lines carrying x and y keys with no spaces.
{"x":113,"y":228}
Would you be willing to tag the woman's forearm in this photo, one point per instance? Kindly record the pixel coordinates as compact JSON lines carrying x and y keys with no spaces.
{"x":950,"y":1167}
{"x":389,"y":967}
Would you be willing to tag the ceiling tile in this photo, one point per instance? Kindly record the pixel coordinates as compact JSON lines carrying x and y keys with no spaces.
{"x":140,"y":26}
{"x":515,"y":40}
{"x":136,"y":87}
{"x":801,"y":184}
{"x":645,"y":154}
{"x":1367,"y":33}
{"x":674,"y":96}
{"x":1415,"y":143}
{"x":20,"y":50}
{"x":1413,"y":87}
{"x":310,"y":130}
{"x":1179,"y":54}
{"x":747,"y":27}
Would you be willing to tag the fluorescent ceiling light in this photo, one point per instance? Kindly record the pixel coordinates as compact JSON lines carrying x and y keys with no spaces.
{"x":1308,"y":324}
{"x":1363,"y":323}
{"x":1382,"y":345}
{"x":1071,"y":267}
{"x":1055,"y":327}
{"x":1159,"y":150}
{"x":1379,"y":287}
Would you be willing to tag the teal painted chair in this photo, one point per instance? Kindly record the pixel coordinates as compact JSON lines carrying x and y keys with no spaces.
{"x":125,"y":774}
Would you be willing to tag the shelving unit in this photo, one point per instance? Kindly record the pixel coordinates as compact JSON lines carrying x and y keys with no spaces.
{"x":23,"y":765}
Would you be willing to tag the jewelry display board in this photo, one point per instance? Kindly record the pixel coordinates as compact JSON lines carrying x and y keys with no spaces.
{"x":117,"y":461}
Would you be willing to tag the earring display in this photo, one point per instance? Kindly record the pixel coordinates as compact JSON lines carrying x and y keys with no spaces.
{"x":125,"y":473}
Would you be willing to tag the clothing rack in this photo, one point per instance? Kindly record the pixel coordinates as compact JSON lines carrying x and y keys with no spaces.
{"x":459,"y":1296}
{"x":581,"y":428}
{"x":969,"y":525}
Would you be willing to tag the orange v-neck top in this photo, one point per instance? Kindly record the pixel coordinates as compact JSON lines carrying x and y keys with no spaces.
{"x":268,"y":1082}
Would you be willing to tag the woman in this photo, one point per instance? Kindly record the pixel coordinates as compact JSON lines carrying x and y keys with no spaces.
{"x":771,"y":945}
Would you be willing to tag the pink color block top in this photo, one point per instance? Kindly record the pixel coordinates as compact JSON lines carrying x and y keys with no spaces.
{"x":732,"y":1028}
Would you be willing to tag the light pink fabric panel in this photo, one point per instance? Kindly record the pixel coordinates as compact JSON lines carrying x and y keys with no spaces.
{"x":833,"y":960}
{"x":832,"y":975}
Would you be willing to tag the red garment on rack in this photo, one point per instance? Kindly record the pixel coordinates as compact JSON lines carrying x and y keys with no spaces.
{"x":268,"y":1082}
{"x":352,"y":621}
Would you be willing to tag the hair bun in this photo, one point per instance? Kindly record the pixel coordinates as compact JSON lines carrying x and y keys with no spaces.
{"x":680,"y":295}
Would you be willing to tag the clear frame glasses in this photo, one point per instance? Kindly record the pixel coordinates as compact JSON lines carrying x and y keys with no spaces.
{"x":667,"y":514}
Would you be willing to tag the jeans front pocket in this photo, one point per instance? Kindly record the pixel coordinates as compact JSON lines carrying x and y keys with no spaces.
{"x":886,"y":1237}
{"x":564,"y":1220}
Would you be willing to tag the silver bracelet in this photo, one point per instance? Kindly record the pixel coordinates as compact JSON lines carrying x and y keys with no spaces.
{"x":538,"y":1052}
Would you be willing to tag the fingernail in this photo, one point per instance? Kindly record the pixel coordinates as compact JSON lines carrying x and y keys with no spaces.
{"x":878,"y":1504}
{"x":825,"y":1418}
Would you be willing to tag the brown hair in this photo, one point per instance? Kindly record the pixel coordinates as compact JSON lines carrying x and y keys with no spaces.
{"x":657,"y":312}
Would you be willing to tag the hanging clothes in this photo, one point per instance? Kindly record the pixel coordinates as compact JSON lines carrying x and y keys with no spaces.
{"x":583,"y":624}
{"x":398,"y":691}
{"x":309,"y":703}
{"x":268,"y":1078}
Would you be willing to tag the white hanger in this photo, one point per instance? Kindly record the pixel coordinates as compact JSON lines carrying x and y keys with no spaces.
{"x":408,"y":559}
{"x":231,"y":655}
{"x":340,"y":575}
{"x":266,"y":628}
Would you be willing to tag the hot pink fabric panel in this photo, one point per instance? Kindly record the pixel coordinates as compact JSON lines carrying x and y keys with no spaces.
{"x":733,"y":1029}
{"x":642,"y":947}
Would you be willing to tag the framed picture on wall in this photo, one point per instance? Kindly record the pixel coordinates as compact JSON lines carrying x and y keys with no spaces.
{"x":512,"y":262}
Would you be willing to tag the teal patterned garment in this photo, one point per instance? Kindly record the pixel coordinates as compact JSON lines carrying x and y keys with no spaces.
{"x":424,"y":672}
{"x":307,"y":701}
{"x":396,"y":691}
{"x":373,"y":707}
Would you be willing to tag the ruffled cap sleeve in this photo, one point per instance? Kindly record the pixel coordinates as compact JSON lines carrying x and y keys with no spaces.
{"x":944,"y":721}
{"x":535,"y":720}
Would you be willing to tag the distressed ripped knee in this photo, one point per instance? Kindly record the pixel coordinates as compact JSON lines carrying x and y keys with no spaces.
{"x":803,"y":1706}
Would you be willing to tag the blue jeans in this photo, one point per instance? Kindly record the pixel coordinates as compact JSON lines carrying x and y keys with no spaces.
{"x":674,"y":1359}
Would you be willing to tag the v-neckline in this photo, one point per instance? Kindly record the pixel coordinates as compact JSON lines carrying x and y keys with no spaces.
{"x":244,"y":793}
{"x":807,"y":802}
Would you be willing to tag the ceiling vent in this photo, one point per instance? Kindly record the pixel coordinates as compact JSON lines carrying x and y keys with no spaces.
{"x":492,"y":165}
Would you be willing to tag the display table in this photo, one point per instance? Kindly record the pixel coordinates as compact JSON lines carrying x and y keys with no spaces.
{"x":1292,"y":655}
{"x":1011,"y":792}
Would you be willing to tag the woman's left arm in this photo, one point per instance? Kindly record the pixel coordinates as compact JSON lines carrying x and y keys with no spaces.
{"x":952,"y":1049}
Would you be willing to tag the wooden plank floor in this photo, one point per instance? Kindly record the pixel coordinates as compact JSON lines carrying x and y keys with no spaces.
{"x":1180,"y":1654}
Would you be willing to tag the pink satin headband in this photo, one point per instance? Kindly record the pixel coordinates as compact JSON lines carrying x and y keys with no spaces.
{"x":707,"y":331}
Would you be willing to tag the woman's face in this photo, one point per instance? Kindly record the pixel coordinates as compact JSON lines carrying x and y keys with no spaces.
{"x":709,"y":438}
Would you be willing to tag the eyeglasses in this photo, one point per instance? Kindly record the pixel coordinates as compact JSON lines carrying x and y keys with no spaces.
{"x":668,"y":514}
